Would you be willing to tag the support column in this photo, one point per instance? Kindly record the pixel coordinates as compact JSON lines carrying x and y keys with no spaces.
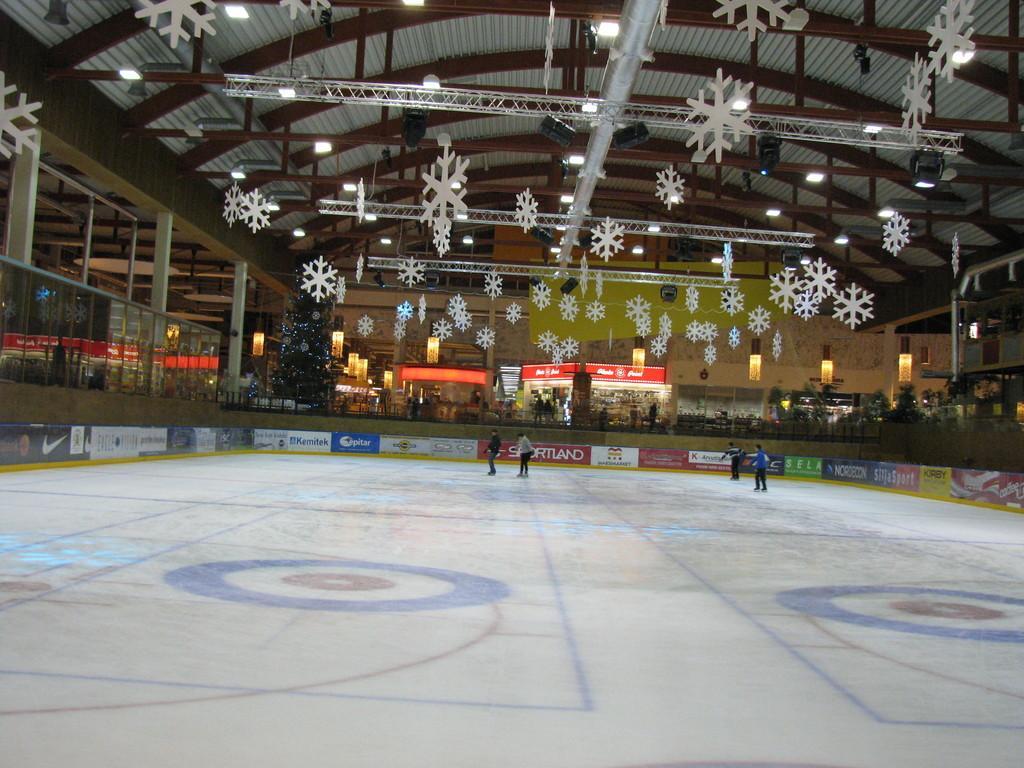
{"x":237,"y":337}
{"x":488,"y":391}
{"x":162,"y":260}
{"x":21,"y":212}
{"x":890,"y":367}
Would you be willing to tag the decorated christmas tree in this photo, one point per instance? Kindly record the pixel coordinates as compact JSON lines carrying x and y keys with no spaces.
{"x":303,"y":368}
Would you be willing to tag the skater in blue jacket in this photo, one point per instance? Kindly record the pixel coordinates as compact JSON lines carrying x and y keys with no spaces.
{"x":760,"y":469}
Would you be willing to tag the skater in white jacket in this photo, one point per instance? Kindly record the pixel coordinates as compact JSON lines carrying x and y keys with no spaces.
{"x":525,"y":452}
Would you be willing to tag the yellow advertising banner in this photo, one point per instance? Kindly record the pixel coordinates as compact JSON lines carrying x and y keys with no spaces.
{"x":936,"y":481}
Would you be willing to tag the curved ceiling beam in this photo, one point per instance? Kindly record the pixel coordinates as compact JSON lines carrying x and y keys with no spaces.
{"x":94,"y":40}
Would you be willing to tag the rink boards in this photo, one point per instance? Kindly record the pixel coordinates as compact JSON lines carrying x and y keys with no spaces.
{"x":22,"y":446}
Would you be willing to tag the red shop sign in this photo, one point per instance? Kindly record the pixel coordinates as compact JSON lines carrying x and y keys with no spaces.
{"x":626,"y":373}
{"x":550,"y":371}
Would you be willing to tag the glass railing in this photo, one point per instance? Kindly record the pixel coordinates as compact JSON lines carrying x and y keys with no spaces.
{"x":56,"y":332}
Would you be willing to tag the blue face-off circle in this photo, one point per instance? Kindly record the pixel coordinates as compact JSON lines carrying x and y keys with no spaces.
{"x":210,"y":580}
{"x":819,"y":601}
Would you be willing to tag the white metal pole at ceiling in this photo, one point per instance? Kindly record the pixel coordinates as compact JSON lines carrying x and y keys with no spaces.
{"x":630,"y":50}
{"x":21,"y":208}
{"x":131,"y":258}
{"x":237,"y":336}
{"x":87,"y":251}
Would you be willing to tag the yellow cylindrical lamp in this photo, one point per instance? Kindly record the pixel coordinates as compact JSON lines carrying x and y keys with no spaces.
{"x":906,"y":361}
{"x":639,"y":354}
{"x":826,"y":365}
{"x":364,"y":364}
{"x":433,"y":349}
{"x":388,"y":379}
{"x":259,"y":340}
{"x":337,"y":344}
{"x":755,"y":360}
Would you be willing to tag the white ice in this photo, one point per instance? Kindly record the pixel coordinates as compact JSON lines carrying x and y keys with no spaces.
{"x":641,"y":625}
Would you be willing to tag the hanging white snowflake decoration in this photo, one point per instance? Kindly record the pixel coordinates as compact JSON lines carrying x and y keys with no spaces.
{"x":917,"y":103}
{"x":584,"y":275}
{"x":598,"y":284}
{"x":319,"y":278}
{"x":404,"y":311}
{"x":607,"y":238}
{"x":411,"y":271}
{"x":694,"y":331}
{"x":806,"y":305}
{"x":540,"y":294}
{"x":734,"y":337}
{"x":853,"y":305}
{"x":952,"y":42}
{"x":255,"y":211}
{"x":456,"y":305}
{"x":759,"y":320}
{"x":595,"y":311}
{"x":295,"y":7}
{"x":339,"y":290}
{"x":709,"y":331}
{"x":557,"y":356}
{"x":441,"y":329}
{"x":21,"y":111}
{"x":233,"y":199}
{"x":547,"y":342}
{"x":665,"y":324}
{"x":441,"y":203}
{"x":463,"y":321}
{"x":819,"y":279}
{"x":669,"y":186}
{"x":526,"y":210}
{"x":513,"y":313}
{"x":643,"y":326}
{"x":492,"y":285}
{"x":727,"y":261}
{"x":569,"y":347}
{"x":637,"y":307}
{"x":659,"y":345}
{"x":568,"y":307}
{"x":422,"y":309}
{"x":175,"y":13}
{"x":710,"y":354}
{"x":360,"y":201}
{"x":896,"y":233}
{"x":399,"y":330}
{"x":752,"y":23}
{"x":732,"y":300}
{"x":777,"y":345}
{"x":485,"y":337}
{"x":365,"y":325}
{"x":692,"y":299}
{"x":955,"y":255}
{"x":359,"y":269}
{"x":549,"y":46}
{"x":719,"y":117}
{"x":785,"y":287}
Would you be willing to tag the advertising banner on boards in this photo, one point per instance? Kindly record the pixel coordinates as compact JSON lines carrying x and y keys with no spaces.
{"x":409,"y":446}
{"x":453,"y":448}
{"x":664,"y":458}
{"x":1011,"y":489}
{"x":975,"y":485}
{"x":351,"y":442}
{"x":803,"y":466}
{"x":898,"y":477}
{"x":776,"y":465}
{"x":270,"y":439}
{"x":313,"y":442}
{"x":936,"y":481}
{"x":40,"y":444}
{"x":709,"y":461}
{"x":544,"y":453}
{"x":846,"y":470}
{"x":126,"y":442}
{"x":614,"y":456}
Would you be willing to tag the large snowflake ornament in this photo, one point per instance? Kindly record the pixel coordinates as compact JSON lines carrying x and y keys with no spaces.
{"x":255,"y":211}
{"x":734,"y":337}
{"x":955,"y":254}
{"x":896,"y":233}
{"x":659,"y":345}
{"x":669,"y":186}
{"x":492,"y":285}
{"x":759,"y":320}
{"x":949,"y":38}
{"x":710,"y":354}
{"x":174,"y":14}
{"x":22,"y":111}
{"x":785,"y":287}
{"x":359,"y":268}
{"x":819,"y":279}
{"x":637,"y":307}
{"x":514,"y":313}
{"x":319,"y":279}
{"x":365,"y":325}
{"x":727,"y":261}
{"x":607,"y":238}
{"x":917,"y":102}
{"x":463,"y":321}
{"x":719,"y":116}
{"x":547,"y":342}
{"x":692,"y":298}
{"x":422,"y":309}
{"x":732,"y":300}
{"x":233,"y":199}
{"x":557,"y":356}
{"x":568,"y":307}
{"x":777,"y":345}
{"x":526,"y":210}
{"x":404,"y":311}
{"x":441,"y":203}
{"x":540,"y":295}
{"x":295,"y":7}
{"x":853,"y":305}
{"x":441,"y":329}
{"x":485,"y":337}
{"x":595,"y":311}
{"x":807,"y":305}
{"x":456,"y":305}
{"x":569,"y":347}
{"x":752,"y":23}
{"x":360,"y":201}
{"x":411,"y":271}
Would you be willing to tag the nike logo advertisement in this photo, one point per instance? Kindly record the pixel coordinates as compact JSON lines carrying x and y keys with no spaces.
{"x":49,"y":447}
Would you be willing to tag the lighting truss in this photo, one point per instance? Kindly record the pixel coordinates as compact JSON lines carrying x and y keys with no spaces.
{"x":410,"y":212}
{"x":540,"y":270}
{"x":576,"y":109}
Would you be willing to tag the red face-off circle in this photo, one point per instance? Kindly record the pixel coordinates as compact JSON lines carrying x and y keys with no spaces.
{"x":338,"y":582}
{"x":939,"y":610}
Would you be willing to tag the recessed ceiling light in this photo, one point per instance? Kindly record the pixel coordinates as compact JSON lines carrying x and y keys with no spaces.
{"x":638,"y":249}
{"x":273,"y":205}
{"x":872,"y":128}
{"x":322,"y":147}
{"x":555,"y":249}
{"x":413,"y":2}
{"x":739,"y":104}
{"x":716,"y":259}
{"x":673,"y":198}
{"x":962,"y":57}
{"x":370,"y":217}
{"x":815,"y":177}
{"x":589,"y":107}
{"x":560,"y":227}
{"x":349,"y":186}
{"x":237,"y":173}
{"x":924,"y":184}
{"x":886,"y":213}
{"x":286,"y":93}
{"x":385,"y":241}
{"x":432,"y":81}
{"x":773,"y":212}
{"x":462,"y":216}
{"x":576,"y":159}
{"x":841,"y":239}
{"x":653,"y":228}
{"x":805,"y":259}
{"x":456,"y":185}
{"x":467,"y":240}
{"x":129,"y":73}
{"x":566,"y":198}
{"x":608,"y":29}
{"x":298,"y":232}
{"x":236,"y":12}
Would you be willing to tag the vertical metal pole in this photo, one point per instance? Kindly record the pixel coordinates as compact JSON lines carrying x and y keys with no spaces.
{"x":237,"y":336}
{"x":87,"y":253}
{"x":131,"y":258}
{"x":954,"y":333}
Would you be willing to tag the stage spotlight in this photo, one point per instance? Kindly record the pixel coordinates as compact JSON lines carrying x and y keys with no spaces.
{"x":544,"y":235}
{"x":791,"y":258}
{"x":860,"y":55}
{"x":57,"y":13}
{"x":630,"y":136}
{"x":559,"y":132}
{"x":568,"y":285}
{"x":379,"y":280}
{"x":432,"y":278}
{"x":682,"y":250}
{"x":325,"y":22}
{"x":590,"y":36}
{"x":414,"y":128}
{"x":769,"y":149}
{"x":669,"y":293}
{"x":926,"y":168}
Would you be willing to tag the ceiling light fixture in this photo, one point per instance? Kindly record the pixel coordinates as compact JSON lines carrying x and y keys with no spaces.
{"x":236,"y":12}
{"x":286,"y":93}
{"x":771,"y":212}
{"x":738,"y":105}
{"x":57,"y":13}
{"x":608,"y":29}
{"x":467,"y":240}
{"x":370,"y":217}
{"x":462,"y":216}
{"x":962,"y":57}
{"x":348,"y":186}
{"x":129,"y":73}
{"x":237,"y":173}
{"x":886,"y":213}
{"x":638,"y":250}
{"x":322,"y":147}
{"x":653,"y":228}
{"x":842,"y":239}
{"x":769,"y":149}
{"x":385,"y":241}
{"x":873,"y":128}
{"x":566,"y":198}
{"x":576,"y":159}
{"x":815,"y":177}
{"x":432,"y":81}
{"x":589,"y":107}
{"x":298,"y":232}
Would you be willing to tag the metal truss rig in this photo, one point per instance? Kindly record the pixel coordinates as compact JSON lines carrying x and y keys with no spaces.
{"x":540,"y":270}
{"x":577,"y":110}
{"x":409,"y":212}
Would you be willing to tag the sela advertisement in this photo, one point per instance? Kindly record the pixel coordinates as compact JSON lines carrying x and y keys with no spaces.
{"x":614,"y":456}
{"x":351,"y":442}
{"x":803,"y":466}
{"x":543,"y":453}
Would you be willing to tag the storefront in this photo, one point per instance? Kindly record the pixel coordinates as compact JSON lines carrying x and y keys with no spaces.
{"x":444,"y":393}
{"x":619,"y":395}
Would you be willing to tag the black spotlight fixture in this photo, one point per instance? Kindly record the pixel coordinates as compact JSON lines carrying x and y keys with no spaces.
{"x":559,"y":132}
{"x":791,"y":258}
{"x":385,"y":156}
{"x":379,"y":280}
{"x":769,"y":150}
{"x":860,"y":55}
{"x":414,"y":127}
{"x":669,"y":293}
{"x":630,"y":136}
{"x":563,"y":166}
{"x":544,"y":235}
{"x":568,"y":285}
{"x":535,"y":281}
{"x":590,"y":36}
{"x":57,"y":13}
{"x":325,"y":22}
{"x":926,"y":168}
{"x":748,"y":183}
{"x":682,"y":249}
{"x":432,"y":278}
{"x":585,"y":241}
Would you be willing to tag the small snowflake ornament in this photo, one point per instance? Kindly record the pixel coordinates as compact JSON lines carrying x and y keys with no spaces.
{"x":410,"y":271}
{"x":717,"y":117}
{"x":637,"y":307}
{"x":694,"y":331}
{"x":422,"y":309}
{"x":233,"y":200}
{"x":659,"y":345}
{"x":360,"y":201}
{"x":777,"y":345}
{"x":952,"y":42}
{"x":595,"y":311}
{"x":896,"y":233}
{"x":319,"y":278}
{"x":665,"y":324}
{"x":785,"y":287}
{"x":669,"y":186}
{"x":492,"y":285}
{"x":456,"y":305}
{"x":513,"y":313}
{"x":485,"y":337}
{"x":598,"y":285}
{"x":569,"y":347}
{"x":540,"y":294}
{"x":759,"y":320}
{"x":607,"y":238}
{"x":710,"y":354}
{"x":955,"y":255}
{"x":441,"y":203}
{"x":359,"y":269}
{"x":255,"y":211}
{"x":853,"y":305}
{"x":399,"y":330}
{"x":547,"y":342}
{"x":441,"y":329}
{"x":295,"y":7}
{"x":557,"y":355}
{"x":734,"y":337}
{"x":568,"y":307}
{"x":174,"y":13}
{"x":732,"y":300}
{"x":692,"y":299}
{"x":751,"y":22}
{"x":21,"y":112}
{"x":727,"y":261}
{"x":365,"y":325}
{"x":526,"y":210}
{"x":339,"y":290}
{"x":549,"y":47}
{"x":643,"y":326}
{"x":807,"y":304}
{"x":917,"y":103}
{"x":463,"y":321}
{"x":819,"y":279}
{"x":584,"y":275}
{"x":404,"y":311}
{"x":709,"y":331}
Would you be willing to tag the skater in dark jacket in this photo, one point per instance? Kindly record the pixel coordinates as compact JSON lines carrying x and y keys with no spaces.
{"x":493,"y":449}
{"x":735,"y":456}
{"x":760,"y":470}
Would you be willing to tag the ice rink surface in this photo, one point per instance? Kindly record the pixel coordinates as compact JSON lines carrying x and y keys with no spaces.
{"x":337,"y":611}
